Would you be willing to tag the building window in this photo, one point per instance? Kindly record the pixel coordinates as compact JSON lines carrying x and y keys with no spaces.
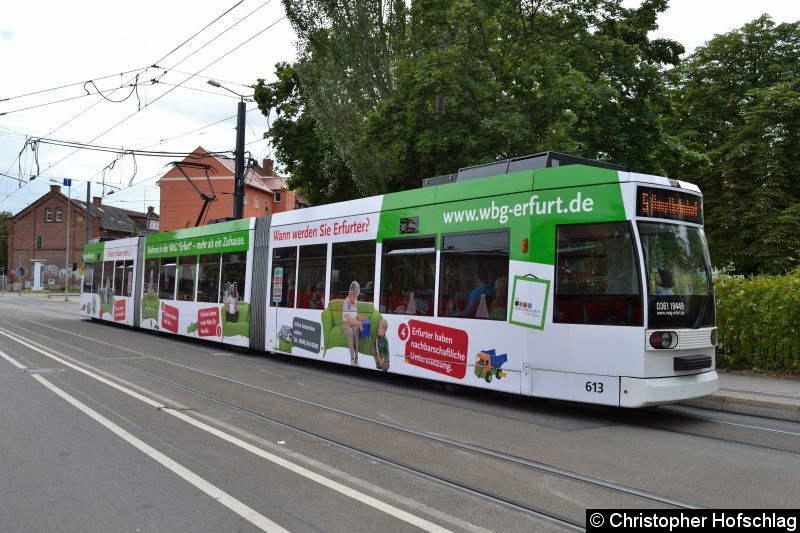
{"x":152,"y":224}
{"x":48,"y":214}
{"x":256,"y":202}
{"x":244,"y":200}
{"x":58,"y":214}
{"x":277,"y":197}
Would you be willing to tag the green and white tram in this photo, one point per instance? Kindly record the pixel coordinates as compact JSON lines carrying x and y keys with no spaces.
{"x":547,"y":275}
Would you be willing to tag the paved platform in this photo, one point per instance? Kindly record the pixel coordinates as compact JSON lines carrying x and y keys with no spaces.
{"x":766,"y":396}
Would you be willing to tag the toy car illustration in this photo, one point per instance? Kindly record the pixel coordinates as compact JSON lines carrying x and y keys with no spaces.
{"x":488,"y":363}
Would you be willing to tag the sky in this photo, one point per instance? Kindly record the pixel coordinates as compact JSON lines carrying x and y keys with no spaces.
{"x":53,"y":48}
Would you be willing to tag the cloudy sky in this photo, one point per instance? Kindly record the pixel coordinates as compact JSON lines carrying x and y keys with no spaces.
{"x":50,"y":49}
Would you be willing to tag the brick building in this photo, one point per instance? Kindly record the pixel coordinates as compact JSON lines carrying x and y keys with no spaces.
{"x":40,"y":232}
{"x":182,"y":191}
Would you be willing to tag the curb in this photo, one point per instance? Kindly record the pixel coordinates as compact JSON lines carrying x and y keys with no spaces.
{"x":748,"y":405}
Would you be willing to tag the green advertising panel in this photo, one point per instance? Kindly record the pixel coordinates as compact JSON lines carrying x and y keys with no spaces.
{"x":583,"y":195}
{"x":233,"y":236}
{"x":93,"y":252}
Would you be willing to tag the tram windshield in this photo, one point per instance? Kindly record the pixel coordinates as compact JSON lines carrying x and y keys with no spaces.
{"x":679,"y":288}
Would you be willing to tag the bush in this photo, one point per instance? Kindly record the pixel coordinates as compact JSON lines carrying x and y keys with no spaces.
{"x":759,"y":322}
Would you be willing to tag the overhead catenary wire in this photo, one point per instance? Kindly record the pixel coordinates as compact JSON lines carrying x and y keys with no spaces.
{"x":131,"y":80}
{"x":171,"y":89}
{"x":143,"y":152}
{"x":134,"y":89}
{"x":33,"y":93}
{"x":226,"y":30}
{"x":131,"y":184}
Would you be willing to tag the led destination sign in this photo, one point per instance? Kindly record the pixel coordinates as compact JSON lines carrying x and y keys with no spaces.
{"x":670,"y":204}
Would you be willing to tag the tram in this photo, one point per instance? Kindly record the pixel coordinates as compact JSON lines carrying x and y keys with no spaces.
{"x":548,"y":275}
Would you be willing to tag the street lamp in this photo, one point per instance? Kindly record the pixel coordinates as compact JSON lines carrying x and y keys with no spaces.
{"x":238,"y":175}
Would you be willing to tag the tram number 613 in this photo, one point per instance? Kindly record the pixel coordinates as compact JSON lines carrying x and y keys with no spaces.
{"x":594,"y":386}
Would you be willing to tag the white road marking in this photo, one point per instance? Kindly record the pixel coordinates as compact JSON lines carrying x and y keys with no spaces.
{"x":214,"y":492}
{"x":12,"y":361}
{"x":293,"y":467}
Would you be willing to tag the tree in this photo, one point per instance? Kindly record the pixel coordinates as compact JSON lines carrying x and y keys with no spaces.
{"x":737,"y":101}
{"x":308,"y":157}
{"x":398,"y":92}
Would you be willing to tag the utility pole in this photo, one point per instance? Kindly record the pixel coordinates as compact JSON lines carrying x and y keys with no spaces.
{"x":88,"y":218}
{"x":68,"y":183}
{"x":238,"y":169}
{"x":238,"y":177}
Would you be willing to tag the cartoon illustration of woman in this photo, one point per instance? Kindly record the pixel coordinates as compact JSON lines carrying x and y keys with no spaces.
{"x":351,"y":325}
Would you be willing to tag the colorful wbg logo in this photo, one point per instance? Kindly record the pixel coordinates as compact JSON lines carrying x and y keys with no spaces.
{"x":529,"y":301}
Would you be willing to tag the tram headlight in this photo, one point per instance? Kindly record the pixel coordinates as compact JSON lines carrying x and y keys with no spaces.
{"x":714,"y":337}
{"x":663,"y":340}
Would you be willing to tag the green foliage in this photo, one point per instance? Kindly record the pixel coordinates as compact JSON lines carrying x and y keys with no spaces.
{"x":306,"y":154}
{"x":737,"y":102}
{"x":383,"y":95}
{"x":758,"y":322}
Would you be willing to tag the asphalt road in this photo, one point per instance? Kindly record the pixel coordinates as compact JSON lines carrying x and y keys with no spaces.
{"x":104,"y":428}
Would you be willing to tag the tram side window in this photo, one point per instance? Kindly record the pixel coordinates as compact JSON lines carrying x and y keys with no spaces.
{"x":353,"y":261}
{"x":234,"y":265}
{"x":151,"y":278}
{"x":88,"y":271}
{"x":284,"y":268}
{"x":119,"y":278}
{"x":166,"y":278}
{"x":473,"y":279}
{"x":123,"y":273}
{"x":127,"y":288}
{"x":408,"y":271}
{"x":188,"y":265}
{"x":107,"y":284}
{"x":97,"y":277}
{"x":311,"y":276}
{"x":597,"y":276}
{"x":208,"y":278}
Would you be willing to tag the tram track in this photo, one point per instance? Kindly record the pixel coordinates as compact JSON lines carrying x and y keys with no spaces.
{"x":625,"y":419}
{"x":670,"y":417}
{"x":455,"y":445}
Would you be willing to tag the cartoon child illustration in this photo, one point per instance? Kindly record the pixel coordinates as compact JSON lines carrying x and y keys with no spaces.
{"x":380,"y":350}
{"x":231,"y":301}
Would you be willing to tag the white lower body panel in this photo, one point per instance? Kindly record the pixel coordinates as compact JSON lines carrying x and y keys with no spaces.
{"x":638,"y":392}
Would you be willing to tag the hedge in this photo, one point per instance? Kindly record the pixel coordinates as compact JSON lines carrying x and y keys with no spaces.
{"x":759,"y":322}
